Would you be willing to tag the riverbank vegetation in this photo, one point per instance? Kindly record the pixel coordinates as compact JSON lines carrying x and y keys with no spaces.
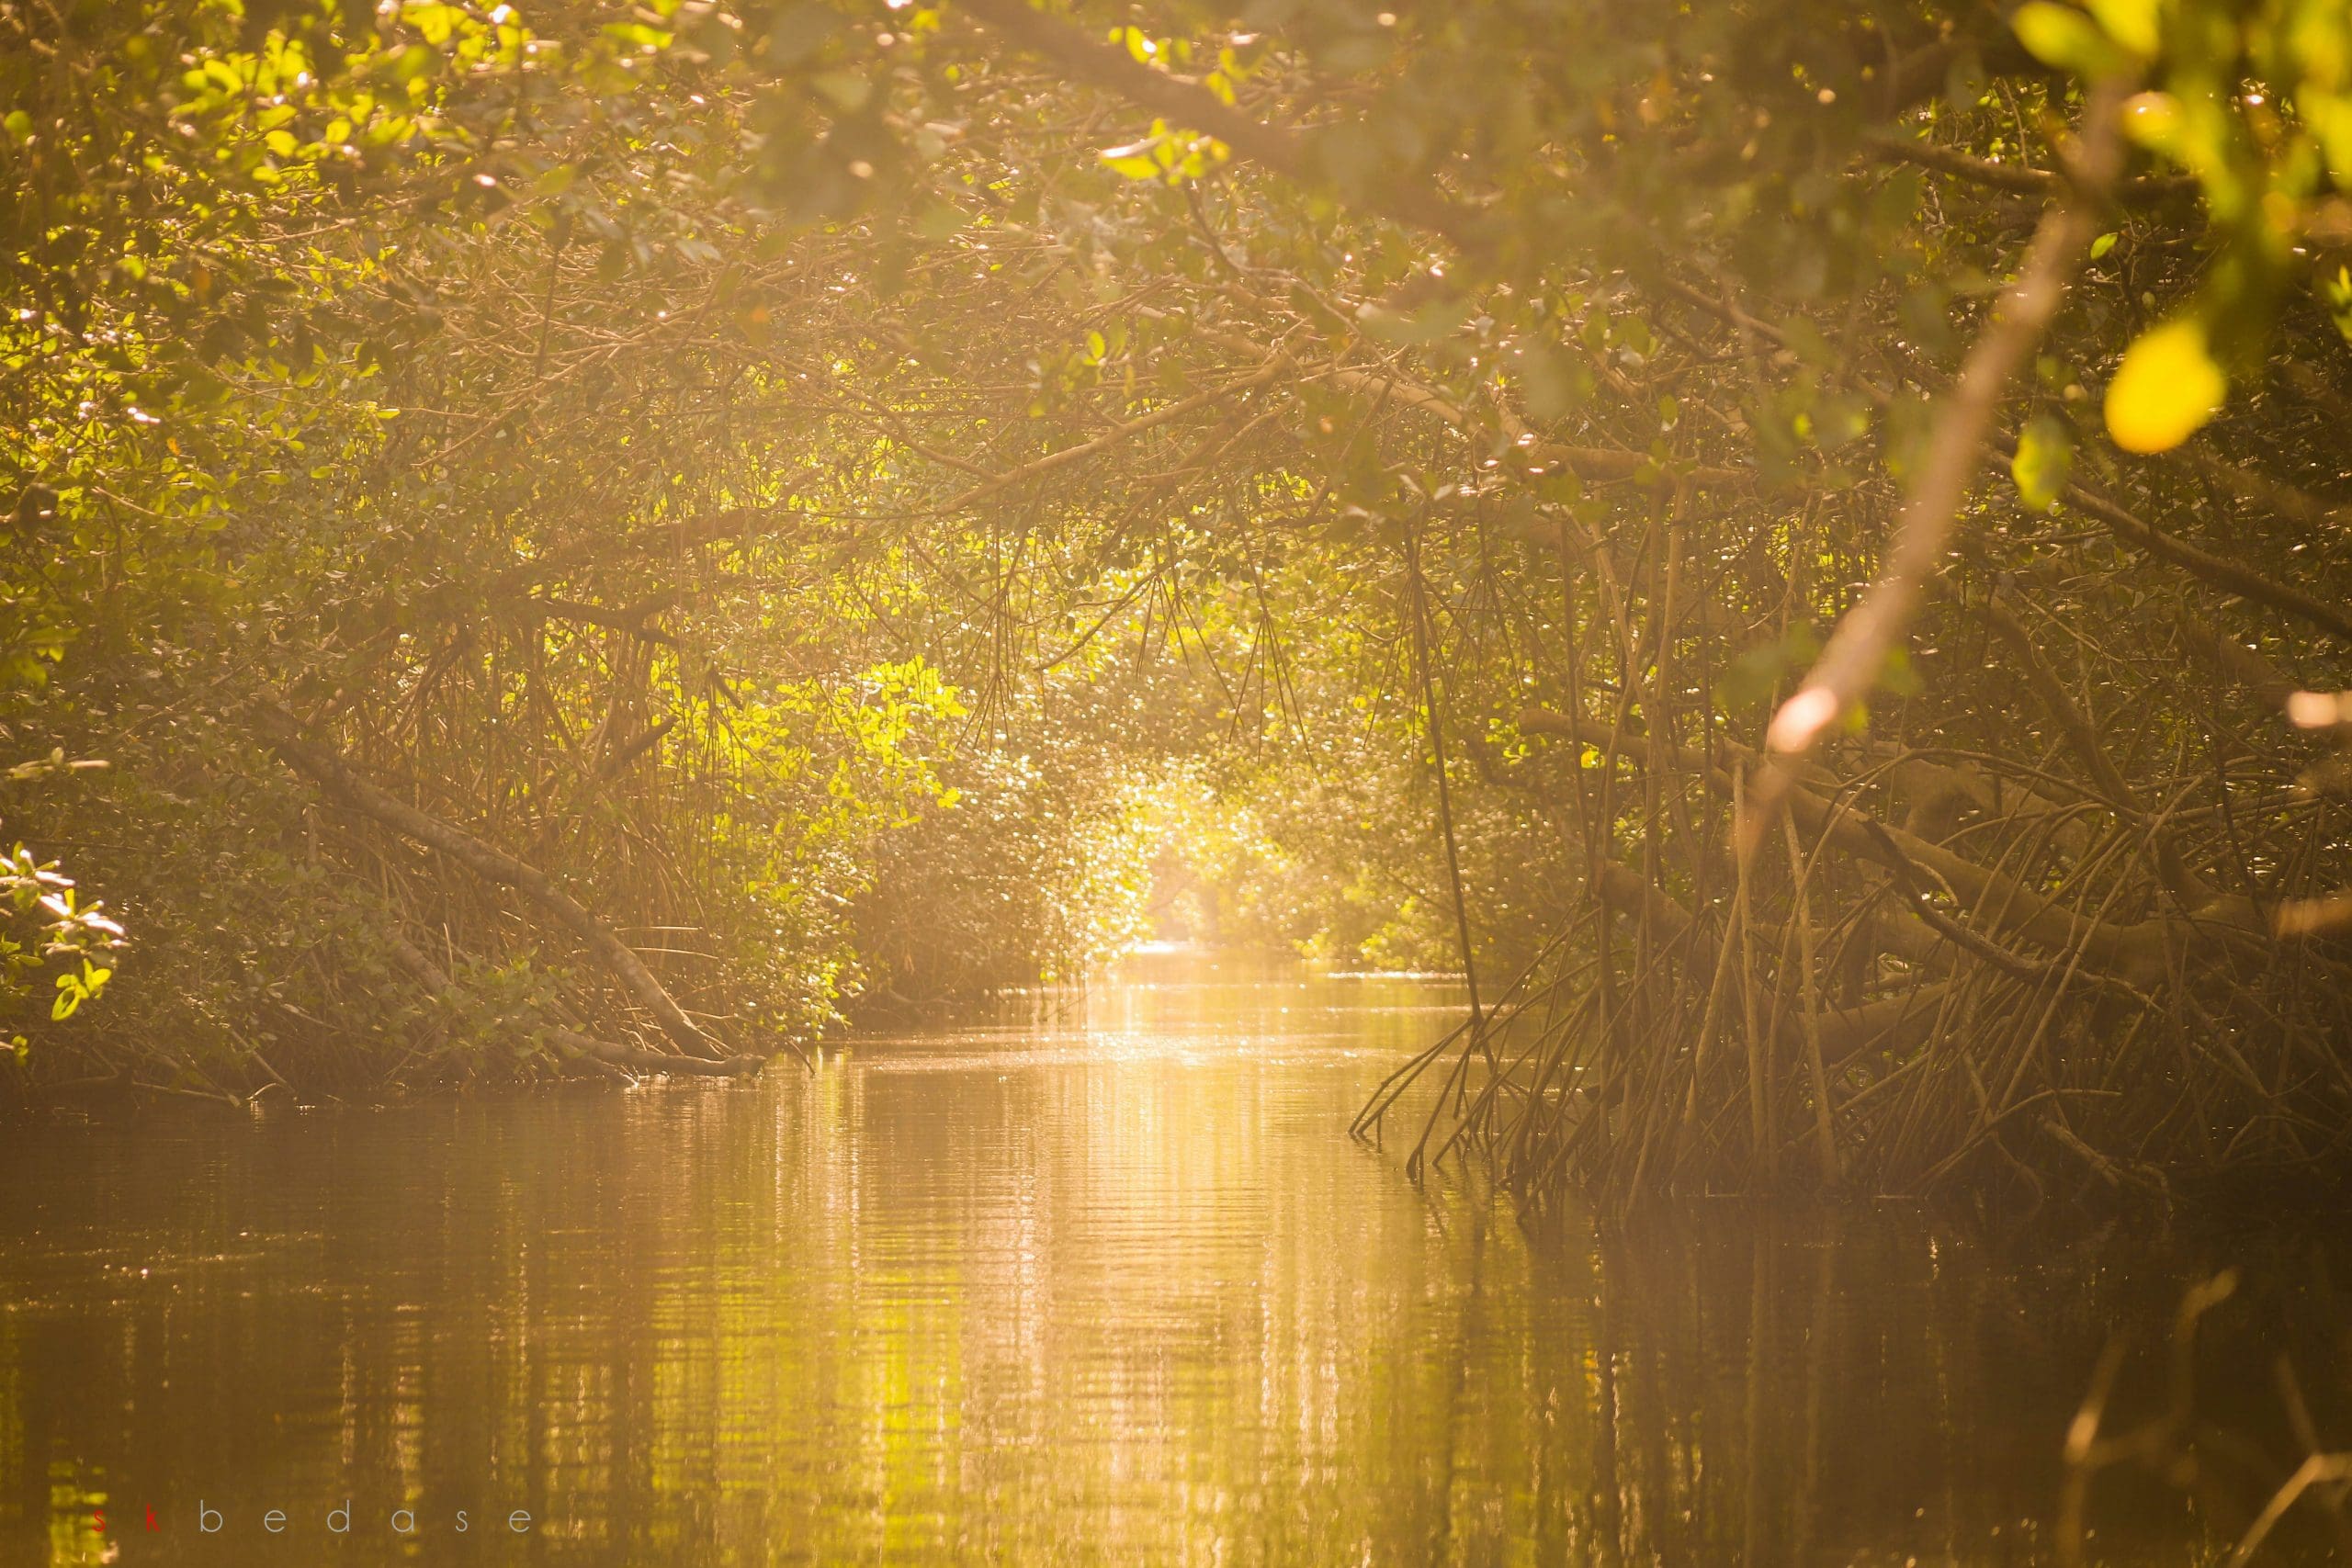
{"x":1804,"y":547}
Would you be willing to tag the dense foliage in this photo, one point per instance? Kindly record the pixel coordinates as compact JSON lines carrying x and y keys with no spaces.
{"x":845,"y":500}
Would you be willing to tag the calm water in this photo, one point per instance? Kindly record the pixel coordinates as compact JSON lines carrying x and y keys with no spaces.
{"x":1115,"y":1290}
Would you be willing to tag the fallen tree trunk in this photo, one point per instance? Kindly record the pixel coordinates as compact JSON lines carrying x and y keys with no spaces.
{"x":433,"y":978}
{"x":332,"y":773}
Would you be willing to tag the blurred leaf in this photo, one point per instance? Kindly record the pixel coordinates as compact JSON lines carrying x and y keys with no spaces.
{"x":1412,"y":330}
{"x":1133,"y":160}
{"x":2062,"y":37}
{"x":2166,"y":388}
{"x":1899,"y":675}
{"x":2337,"y":291}
{"x":2131,"y":23}
{"x":1550,"y":382}
{"x":2045,"y":456}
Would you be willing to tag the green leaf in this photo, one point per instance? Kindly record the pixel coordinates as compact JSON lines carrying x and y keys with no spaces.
{"x":1133,"y":160}
{"x":845,"y":90}
{"x":2067,"y":39}
{"x":1898,"y":676}
{"x":940,"y":221}
{"x":1433,"y":320}
{"x":2131,"y":23}
{"x":2339,"y":293}
{"x":1551,"y":380}
{"x":2045,"y":456}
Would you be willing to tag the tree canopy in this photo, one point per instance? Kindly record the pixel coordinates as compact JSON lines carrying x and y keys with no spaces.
{"x":1798,"y":545}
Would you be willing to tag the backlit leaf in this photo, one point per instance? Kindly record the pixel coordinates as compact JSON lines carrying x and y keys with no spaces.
{"x":2166,"y":388}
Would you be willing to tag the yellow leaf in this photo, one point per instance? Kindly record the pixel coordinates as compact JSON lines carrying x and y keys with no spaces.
{"x":2131,"y":23}
{"x":1133,"y":160}
{"x":2166,"y":387}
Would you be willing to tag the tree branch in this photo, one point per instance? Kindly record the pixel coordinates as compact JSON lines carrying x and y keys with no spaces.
{"x":1849,"y":665}
{"x":1193,"y":108}
{"x":1891,"y":147}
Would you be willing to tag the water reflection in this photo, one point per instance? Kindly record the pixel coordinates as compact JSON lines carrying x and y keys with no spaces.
{"x":1112,"y":1287}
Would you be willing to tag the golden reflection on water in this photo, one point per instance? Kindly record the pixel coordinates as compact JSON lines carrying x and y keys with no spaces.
{"x":1115,"y":1288}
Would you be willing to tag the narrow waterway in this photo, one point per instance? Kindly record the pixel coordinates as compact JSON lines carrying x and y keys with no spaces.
{"x":1112,"y":1287}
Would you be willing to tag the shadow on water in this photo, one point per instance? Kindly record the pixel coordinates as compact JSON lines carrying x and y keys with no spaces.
{"x":1102,"y":1284}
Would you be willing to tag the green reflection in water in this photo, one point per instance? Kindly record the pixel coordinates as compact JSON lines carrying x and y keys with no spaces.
{"x":1113,"y":1288}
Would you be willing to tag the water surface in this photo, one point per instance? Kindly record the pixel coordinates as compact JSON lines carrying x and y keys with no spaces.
{"x":1113,"y":1288}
